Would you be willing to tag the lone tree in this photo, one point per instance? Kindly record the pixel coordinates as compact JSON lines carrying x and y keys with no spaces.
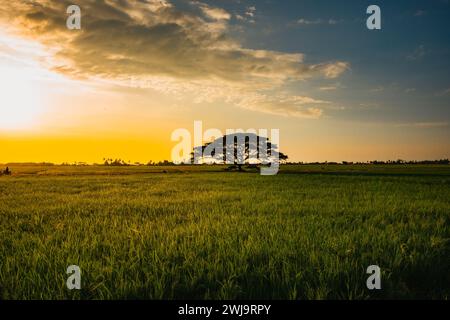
{"x":238,"y":149}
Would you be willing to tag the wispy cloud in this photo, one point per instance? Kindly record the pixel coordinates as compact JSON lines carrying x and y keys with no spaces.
{"x":212,"y":12}
{"x":294,"y":106}
{"x":332,"y":87}
{"x":417,"y":54}
{"x":368,"y":106}
{"x":444,"y":92}
{"x":303,"y":21}
{"x":328,"y":88}
{"x":424,"y":124}
{"x":377,"y":89}
{"x":248,"y":15}
{"x":250,"y":11}
{"x":420,"y":13}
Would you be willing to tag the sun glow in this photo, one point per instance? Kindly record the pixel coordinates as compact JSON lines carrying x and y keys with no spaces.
{"x":23,"y":81}
{"x":20,"y":100}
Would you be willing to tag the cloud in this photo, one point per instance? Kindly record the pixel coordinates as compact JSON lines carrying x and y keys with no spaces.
{"x":332,"y":87}
{"x":293,"y":106}
{"x":251,"y":11}
{"x":151,"y":43}
{"x":420,"y":13}
{"x":418,"y":53}
{"x":377,"y":89}
{"x":307,"y":22}
{"x":436,"y":124}
{"x":444,"y":92}
{"x":332,"y":21}
{"x":328,"y":88}
{"x":368,"y":105}
{"x":248,"y":15}
{"x":214,"y":13}
{"x":332,"y":70}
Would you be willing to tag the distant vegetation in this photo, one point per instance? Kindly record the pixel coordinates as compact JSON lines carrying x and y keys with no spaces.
{"x":122,"y":163}
{"x":378,"y":162}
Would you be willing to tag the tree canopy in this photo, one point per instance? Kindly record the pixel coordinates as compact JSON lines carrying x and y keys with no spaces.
{"x":238,"y":149}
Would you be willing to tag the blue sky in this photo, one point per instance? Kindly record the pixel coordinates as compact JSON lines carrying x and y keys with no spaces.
{"x":402,"y":69}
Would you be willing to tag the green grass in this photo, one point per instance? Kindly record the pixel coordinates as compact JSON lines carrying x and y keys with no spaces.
{"x":197,"y":232}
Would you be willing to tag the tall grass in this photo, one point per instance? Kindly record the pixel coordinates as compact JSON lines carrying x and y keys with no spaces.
{"x":206,"y":234}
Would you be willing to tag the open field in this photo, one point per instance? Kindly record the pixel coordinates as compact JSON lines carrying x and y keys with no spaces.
{"x":198,"y":232}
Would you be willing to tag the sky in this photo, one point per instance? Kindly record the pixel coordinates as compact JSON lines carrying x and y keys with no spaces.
{"x":137,"y":70}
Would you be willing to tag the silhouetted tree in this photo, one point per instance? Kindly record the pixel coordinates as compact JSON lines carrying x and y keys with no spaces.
{"x":238,"y":149}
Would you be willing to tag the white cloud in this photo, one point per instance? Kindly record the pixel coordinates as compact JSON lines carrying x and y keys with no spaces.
{"x":214,"y":13}
{"x":251,"y":11}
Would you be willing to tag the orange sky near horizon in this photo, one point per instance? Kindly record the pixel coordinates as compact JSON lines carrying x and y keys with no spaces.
{"x":140,"y":149}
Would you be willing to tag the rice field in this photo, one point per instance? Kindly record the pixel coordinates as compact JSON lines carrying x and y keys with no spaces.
{"x":309,"y":232}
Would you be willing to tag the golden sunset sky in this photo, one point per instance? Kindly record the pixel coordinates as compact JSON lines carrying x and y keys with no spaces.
{"x":138,"y":70}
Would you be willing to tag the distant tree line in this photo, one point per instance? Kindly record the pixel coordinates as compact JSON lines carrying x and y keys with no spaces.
{"x":115,"y":162}
{"x":123,"y":163}
{"x":120,"y":162}
{"x":375,"y":162}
